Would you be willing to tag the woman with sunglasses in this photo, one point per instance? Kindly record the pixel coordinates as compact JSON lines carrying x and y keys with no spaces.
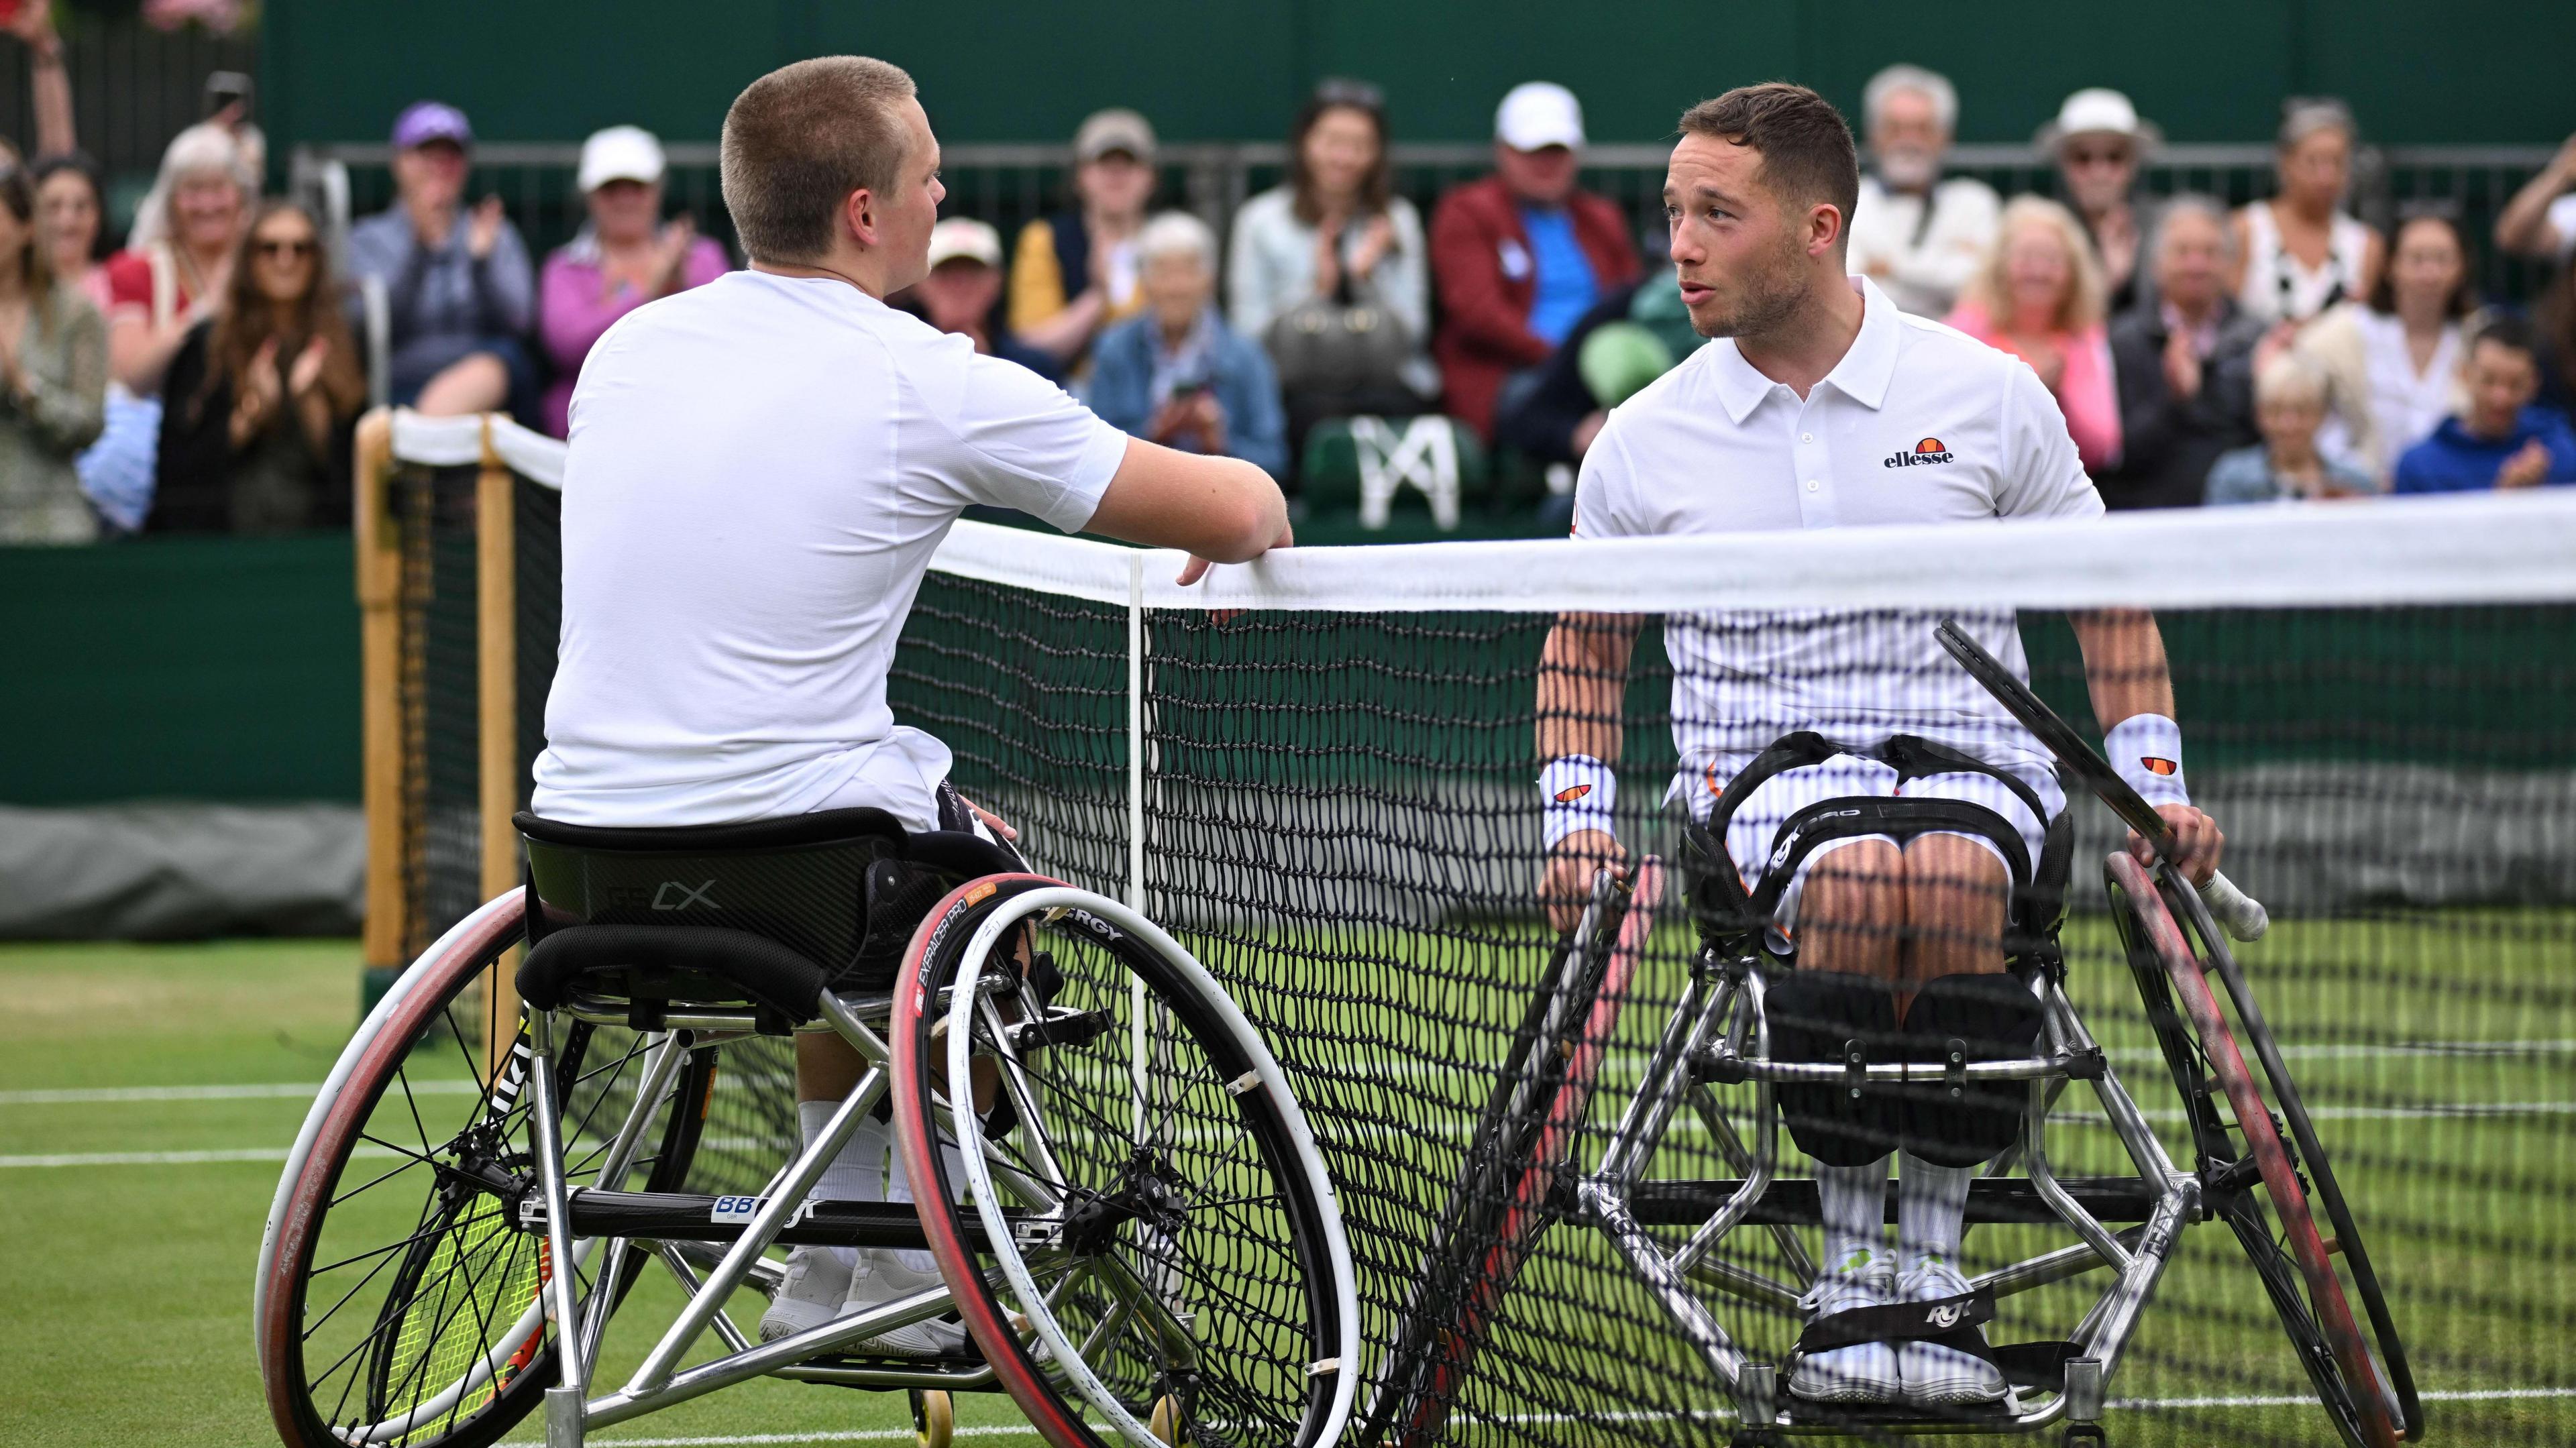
{"x":258,"y":412}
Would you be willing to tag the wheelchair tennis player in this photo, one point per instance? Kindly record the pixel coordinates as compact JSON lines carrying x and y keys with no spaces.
{"x":1873,"y":800}
{"x":760,"y":471}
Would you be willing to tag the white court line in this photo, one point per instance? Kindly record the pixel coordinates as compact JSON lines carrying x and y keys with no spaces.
{"x":283,"y":1090}
{"x":305,"y":1090}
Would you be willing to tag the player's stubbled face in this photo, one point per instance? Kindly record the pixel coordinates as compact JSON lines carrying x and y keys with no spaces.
{"x":1737,"y":250}
{"x":911,"y":208}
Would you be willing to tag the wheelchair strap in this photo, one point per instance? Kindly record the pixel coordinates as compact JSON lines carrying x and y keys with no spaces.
{"x":1950,"y":1321}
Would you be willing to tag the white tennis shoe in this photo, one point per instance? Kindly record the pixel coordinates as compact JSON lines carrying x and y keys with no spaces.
{"x":1937,"y":1376}
{"x":817,"y":1281}
{"x":881,"y":1277}
{"x":1864,"y":1372}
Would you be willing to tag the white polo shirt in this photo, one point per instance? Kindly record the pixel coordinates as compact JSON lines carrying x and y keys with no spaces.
{"x":1917,"y":424}
{"x":760,"y":470}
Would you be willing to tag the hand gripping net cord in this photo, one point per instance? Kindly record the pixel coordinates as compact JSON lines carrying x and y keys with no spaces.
{"x":1316,"y":771}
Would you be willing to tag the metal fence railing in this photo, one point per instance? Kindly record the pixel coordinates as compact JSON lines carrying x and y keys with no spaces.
{"x":1010,"y":185}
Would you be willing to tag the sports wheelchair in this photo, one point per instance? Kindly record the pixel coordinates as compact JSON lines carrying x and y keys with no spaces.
{"x":1746,"y":1020}
{"x":1125,"y":1205}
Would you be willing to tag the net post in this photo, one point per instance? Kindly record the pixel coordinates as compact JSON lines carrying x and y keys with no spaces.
{"x":378,"y":546}
{"x":496,"y":657}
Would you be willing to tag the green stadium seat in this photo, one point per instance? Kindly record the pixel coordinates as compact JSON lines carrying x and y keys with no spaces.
{"x":1372,"y":465}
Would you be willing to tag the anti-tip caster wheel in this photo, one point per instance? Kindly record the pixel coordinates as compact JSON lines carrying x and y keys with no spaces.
{"x":934,"y":1418}
{"x":2084,"y":1435}
{"x":1166,"y":1423}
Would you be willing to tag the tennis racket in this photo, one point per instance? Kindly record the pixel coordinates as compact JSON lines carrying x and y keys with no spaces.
{"x":2243,"y":916}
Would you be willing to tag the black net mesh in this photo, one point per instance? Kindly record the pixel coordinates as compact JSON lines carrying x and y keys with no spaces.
{"x":1339,"y":818}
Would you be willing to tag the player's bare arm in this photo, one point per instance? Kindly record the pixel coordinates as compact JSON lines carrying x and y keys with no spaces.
{"x":1218,"y":509}
{"x":2126,"y":673}
{"x":1582,"y":674}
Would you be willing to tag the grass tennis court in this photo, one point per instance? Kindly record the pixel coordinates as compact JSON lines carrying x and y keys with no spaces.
{"x":148,"y":1093}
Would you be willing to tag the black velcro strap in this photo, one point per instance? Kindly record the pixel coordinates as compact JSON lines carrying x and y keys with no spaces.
{"x":1944,"y":1320}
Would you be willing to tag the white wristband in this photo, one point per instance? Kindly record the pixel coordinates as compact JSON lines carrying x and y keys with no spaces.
{"x":1580,"y":792}
{"x":2146,"y":749}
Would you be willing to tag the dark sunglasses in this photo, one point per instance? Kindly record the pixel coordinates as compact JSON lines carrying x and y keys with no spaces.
{"x":297,"y":249}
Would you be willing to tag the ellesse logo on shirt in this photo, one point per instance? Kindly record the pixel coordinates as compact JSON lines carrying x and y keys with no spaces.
{"x":1926,"y":452}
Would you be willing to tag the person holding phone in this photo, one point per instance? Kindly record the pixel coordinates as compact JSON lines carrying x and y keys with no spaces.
{"x":1178,"y":375}
{"x":624,"y":256}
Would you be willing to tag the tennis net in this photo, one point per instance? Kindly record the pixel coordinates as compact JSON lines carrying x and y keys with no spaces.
{"x":1318,"y":771}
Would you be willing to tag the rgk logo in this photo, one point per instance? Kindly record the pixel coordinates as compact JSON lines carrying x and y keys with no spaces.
{"x":1947,"y":1317}
{"x":1925,"y":453}
{"x":677,"y":895}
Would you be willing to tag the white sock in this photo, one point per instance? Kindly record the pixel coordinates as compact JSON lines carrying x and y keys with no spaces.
{"x":1855,"y":1210}
{"x":899,"y":1189}
{"x":1931,"y":1211}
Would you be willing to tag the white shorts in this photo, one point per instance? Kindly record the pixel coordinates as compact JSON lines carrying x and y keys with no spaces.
{"x":1756,"y":823}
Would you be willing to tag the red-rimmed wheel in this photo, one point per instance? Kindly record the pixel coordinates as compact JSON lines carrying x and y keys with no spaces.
{"x":398,"y":1299}
{"x":1131,"y":1213}
{"x":2268,"y":1205}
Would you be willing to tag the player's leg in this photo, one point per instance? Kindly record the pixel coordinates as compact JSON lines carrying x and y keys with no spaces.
{"x":1845,"y":912}
{"x":1957,"y":895}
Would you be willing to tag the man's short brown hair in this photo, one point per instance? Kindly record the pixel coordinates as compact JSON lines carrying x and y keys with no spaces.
{"x":1806,"y":146}
{"x":799,"y":140}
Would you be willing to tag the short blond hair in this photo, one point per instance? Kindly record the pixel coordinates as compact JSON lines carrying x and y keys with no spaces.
{"x":2292,"y":378}
{"x":799,"y":140}
{"x":2087,"y":296}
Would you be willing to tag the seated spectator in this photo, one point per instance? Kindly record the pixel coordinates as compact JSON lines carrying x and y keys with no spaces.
{"x":2039,"y":296}
{"x":2289,"y":407}
{"x":179,"y":256}
{"x":1328,"y":270}
{"x":1075,"y":274}
{"x":2184,"y":362}
{"x":53,"y":381}
{"x":2394,"y":364}
{"x":1634,"y":335}
{"x":2498,"y":439}
{"x":459,"y":292}
{"x":2555,"y":316}
{"x":963,"y":293}
{"x":257,"y":421}
{"x":623,"y":257}
{"x":2301,"y":252}
{"x":2540,"y":221}
{"x":2099,"y":142}
{"x":1521,"y":255}
{"x":1918,"y":236}
{"x":1178,"y":375}
{"x":71,"y":202}
{"x":116,"y":470}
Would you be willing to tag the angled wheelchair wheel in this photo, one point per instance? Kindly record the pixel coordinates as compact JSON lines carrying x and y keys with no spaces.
{"x":1526,"y":1133}
{"x":399,"y":1299}
{"x":1127,"y":1204}
{"x":2253,"y":1180}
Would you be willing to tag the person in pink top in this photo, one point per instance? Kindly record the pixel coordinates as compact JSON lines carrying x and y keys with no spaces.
{"x":625,"y":257}
{"x":2039,"y":296}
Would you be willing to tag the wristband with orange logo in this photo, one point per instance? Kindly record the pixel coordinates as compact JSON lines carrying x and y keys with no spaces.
{"x":1580,"y":792}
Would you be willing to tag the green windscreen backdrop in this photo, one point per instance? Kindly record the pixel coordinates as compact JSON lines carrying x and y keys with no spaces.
{"x":179,"y":668}
{"x":2491,"y":71}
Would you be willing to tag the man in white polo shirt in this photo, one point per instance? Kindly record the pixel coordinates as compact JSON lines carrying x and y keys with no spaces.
{"x":760,"y":470}
{"x":1821,"y":405}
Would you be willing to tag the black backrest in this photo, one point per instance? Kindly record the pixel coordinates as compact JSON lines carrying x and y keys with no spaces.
{"x":799,"y":880}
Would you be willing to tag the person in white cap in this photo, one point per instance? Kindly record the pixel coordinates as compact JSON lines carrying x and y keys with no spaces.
{"x":625,"y":256}
{"x":1074,"y":273}
{"x":962,"y":294}
{"x":2098,"y":141}
{"x":1521,"y":255}
{"x":1918,"y":236}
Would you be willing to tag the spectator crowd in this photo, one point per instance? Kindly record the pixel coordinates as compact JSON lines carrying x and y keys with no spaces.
{"x":207,"y":375}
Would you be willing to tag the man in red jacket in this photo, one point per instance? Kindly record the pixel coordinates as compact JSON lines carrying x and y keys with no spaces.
{"x":1522,"y":254}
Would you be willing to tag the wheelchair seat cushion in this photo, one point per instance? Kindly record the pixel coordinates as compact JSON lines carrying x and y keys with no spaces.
{"x":700,"y":963}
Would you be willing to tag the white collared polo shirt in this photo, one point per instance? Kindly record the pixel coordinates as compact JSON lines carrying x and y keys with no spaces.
{"x":1917,"y":424}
